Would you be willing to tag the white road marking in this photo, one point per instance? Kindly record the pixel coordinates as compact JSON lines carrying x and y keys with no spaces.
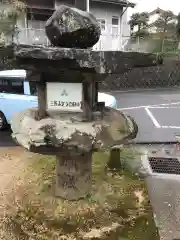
{"x":149,"y":106}
{"x":146,"y":90}
{"x":165,"y":107}
{"x":160,"y":106}
{"x":176,"y":127}
{"x":152,"y":118}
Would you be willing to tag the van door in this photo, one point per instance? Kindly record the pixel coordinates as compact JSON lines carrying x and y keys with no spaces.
{"x":31,"y":94}
{"x":4,"y":88}
{"x":13,"y":99}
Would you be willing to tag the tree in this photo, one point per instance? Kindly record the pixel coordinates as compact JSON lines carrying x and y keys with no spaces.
{"x":8,"y":19}
{"x":165,"y":25}
{"x":139,"y":20}
{"x":164,"y":22}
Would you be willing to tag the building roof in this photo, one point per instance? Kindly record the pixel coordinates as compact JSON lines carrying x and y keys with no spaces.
{"x":157,"y":11}
{"x":124,"y":3}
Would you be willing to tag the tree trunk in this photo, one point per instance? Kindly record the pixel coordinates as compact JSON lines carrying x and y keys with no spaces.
{"x":163,"y":39}
{"x":73,"y":175}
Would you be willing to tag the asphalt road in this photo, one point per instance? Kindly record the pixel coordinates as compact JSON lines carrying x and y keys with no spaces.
{"x":147,"y":97}
{"x":157,"y":113}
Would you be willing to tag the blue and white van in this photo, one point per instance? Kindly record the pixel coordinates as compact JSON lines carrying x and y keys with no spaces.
{"x":16,"y":95}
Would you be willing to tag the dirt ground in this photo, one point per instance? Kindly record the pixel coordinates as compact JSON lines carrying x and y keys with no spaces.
{"x":12,"y":161}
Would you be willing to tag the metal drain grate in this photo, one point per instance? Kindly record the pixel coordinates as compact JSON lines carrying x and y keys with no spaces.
{"x":165,"y":165}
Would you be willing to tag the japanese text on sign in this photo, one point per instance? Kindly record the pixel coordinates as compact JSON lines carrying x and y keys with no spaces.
{"x":66,"y":104}
{"x":64,"y":96}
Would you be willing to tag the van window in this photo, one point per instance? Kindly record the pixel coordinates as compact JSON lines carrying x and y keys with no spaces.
{"x":11,"y":86}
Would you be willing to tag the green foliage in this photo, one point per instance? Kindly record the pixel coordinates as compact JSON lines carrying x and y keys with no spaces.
{"x":165,"y":37}
{"x":141,"y":21}
{"x":143,"y":33}
{"x":168,"y":45}
{"x":155,"y":45}
{"x":163,"y":23}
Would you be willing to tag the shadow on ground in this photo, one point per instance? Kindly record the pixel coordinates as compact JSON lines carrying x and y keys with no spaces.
{"x":6,"y":139}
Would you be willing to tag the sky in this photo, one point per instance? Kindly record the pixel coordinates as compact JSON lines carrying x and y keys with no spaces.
{"x":150,"y":5}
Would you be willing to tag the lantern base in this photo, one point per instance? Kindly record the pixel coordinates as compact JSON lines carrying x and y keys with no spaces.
{"x":73,"y":175}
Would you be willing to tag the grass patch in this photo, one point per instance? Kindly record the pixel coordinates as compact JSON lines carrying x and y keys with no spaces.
{"x":34,"y":213}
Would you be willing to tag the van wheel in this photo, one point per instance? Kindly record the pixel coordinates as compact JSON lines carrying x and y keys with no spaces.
{"x":3,"y":122}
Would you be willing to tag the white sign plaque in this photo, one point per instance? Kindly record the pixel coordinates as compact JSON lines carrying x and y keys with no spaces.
{"x":64,"y":96}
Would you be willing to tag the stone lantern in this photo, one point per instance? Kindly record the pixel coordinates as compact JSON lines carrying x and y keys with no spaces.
{"x":69,"y":122}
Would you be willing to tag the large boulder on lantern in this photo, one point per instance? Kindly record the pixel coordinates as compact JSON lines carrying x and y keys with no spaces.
{"x":72,"y":28}
{"x":64,"y":133}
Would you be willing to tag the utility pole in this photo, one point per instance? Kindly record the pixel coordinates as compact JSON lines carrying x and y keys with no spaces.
{"x":87,"y":5}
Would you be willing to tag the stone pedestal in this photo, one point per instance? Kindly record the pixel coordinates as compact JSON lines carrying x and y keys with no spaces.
{"x":72,"y":141}
{"x":73,"y":175}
